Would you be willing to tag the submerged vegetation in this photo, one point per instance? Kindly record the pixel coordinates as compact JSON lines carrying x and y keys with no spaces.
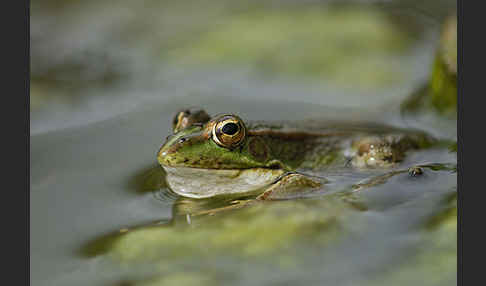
{"x":281,"y":233}
{"x":333,"y":43}
{"x":440,"y":93}
{"x":365,"y":227}
{"x":443,"y":83}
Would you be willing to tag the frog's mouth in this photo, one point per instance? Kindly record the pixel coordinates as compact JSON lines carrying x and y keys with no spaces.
{"x":204,"y":183}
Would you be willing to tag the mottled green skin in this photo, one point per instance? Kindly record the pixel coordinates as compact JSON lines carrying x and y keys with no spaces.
{"x":200,"y":151}
{"x":274,"y":152}
{"x":283,"y":146}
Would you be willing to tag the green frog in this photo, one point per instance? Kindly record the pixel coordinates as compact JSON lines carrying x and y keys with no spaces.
{"x":225,"y":155}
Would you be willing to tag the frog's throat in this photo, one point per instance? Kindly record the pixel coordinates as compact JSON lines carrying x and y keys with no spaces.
{"x":205,"y":183}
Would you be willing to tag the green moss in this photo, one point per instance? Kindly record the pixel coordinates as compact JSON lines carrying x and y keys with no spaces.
{"x":443,"y":87}
{"x":453,"y":147}
{"x":249,"y":232}
{"x":172,"y":279}
{"x":179,"y":279}
{"x":441,"y":167}
{"x":446,"y":216}
{"x":340,"y":44}
{"x":440,"y":93}
{"x":443,"y":82}
{"x":257,"y":231}
{"x":417,"y":101}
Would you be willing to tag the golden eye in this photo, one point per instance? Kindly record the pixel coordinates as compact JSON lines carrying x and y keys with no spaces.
{"x":229,"y":131}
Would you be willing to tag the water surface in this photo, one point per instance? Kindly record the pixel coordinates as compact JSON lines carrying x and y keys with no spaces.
{"x":95,"y":131}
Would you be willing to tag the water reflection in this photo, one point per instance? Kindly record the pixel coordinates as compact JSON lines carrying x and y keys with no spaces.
{"x":106,"y":79}
{"x":226,"y":229}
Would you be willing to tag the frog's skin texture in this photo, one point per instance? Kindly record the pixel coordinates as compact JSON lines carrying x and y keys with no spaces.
{"x":225,"y":155}
{"x":188,"y":117}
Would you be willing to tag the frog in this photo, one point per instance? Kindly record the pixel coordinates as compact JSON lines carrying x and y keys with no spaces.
{"x":224,"y":155}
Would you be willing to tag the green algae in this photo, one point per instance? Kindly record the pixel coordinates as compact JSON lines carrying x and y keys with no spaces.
{"x":443,"y":88}
{"x":446,"y":216}
{"x":256,"y":231}
{"x":440,"y":93}
{"x":177,"y":279}
{"x":336,"y":44}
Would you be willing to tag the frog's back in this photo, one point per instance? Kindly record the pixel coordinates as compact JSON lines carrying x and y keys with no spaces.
{"x":324,"y":144}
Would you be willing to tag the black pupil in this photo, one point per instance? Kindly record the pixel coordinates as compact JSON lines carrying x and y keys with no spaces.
{"x":230,"y":128}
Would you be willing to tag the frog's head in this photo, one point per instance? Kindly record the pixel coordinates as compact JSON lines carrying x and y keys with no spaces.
{"x":218,"y":156}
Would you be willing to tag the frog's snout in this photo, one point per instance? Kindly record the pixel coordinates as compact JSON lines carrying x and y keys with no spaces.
{"x":163,"y":156}
{"x":167,"y":154}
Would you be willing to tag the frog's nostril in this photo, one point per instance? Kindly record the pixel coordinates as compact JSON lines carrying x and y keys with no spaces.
{"x":182,"y":140}
{"x":161,"y":153}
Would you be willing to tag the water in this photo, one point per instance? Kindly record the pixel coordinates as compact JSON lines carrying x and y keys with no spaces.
{"x":81,"y":190}
{"x":93,"y":142}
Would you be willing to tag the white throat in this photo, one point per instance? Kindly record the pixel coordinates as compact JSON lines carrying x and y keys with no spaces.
{"x":204,"y":183}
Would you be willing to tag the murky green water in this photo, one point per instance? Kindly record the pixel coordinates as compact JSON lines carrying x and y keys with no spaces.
{"x":102,"y":105}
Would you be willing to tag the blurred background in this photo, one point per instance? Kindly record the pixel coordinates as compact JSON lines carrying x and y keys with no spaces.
{"x":92,"y":60}
{"x":107,"y":77}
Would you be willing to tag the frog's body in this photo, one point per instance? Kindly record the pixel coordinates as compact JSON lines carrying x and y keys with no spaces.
{"x":224,"y":155}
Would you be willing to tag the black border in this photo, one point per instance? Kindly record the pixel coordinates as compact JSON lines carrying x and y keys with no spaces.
{"x":16,"y":47}
{"x":460,"y":166}
{"x":27,"y":126}
{"x":471,"y":170}
{"x":15,"y":156}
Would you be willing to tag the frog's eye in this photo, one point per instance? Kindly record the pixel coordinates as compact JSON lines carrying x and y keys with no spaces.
{"x":229,"y":131}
